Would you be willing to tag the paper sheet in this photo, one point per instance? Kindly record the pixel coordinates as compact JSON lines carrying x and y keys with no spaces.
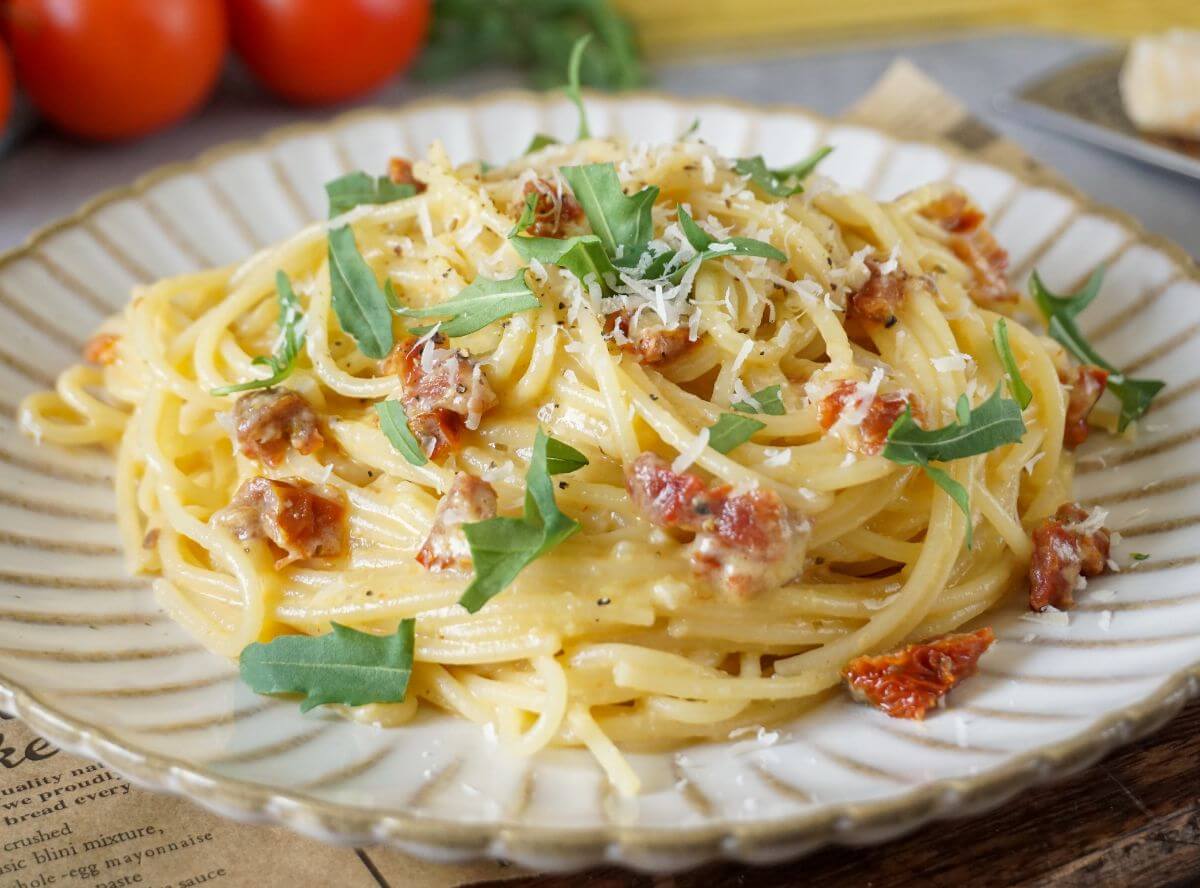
{"x":66,"y":822}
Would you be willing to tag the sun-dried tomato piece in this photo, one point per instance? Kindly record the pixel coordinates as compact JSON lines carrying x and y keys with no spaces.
{"x":469,"y":499}
{"x":443,"y":391}
{"x":988,"y":261}
{"x":556,"y":209}
{"x":954,"y":212}
{"x":668,"y":498}
{"x":101,"y":349}
{"x":973,"y":243}
{"x":268,"y":421}
{"x":400,"y":171}
{"x":1066,"y":547}
{"x":878,"y":300}
{"x":300,"y":520}
{"x":744,"y":542}
{"x":650,"y":342}
{"x":1086,"y":388}
{"x":885,"y":408}
{"x":908,"y":682}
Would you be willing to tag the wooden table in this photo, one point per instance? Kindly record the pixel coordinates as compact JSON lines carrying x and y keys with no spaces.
{"x":1132,"y":819}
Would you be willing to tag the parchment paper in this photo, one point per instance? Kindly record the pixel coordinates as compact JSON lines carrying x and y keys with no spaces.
{"x":67,"y":822}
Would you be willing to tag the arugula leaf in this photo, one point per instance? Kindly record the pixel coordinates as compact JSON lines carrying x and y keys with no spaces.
{"x":708,"y":247}
{"x":730,"y":430}
{"x":502,"y":547}
{"x":562,"y":458}
{"x":291,"y":341}
{"x":1135,"y":395}
{"x":619,"y":220}
{"x":360,"y":304}
{"x":768,"y":399}
{"x":1000,"y":340}
{"x":581,"y":255}
{"x":528,"y":214}
{"x":783,"y":182}
{"x":994,"y":423}
{"x":345,"y":666}
{"x":538,"y":142}
{"x":393,"y":421}
{"x":572,"y":87}
{"x":349,"y":191}
{"x":478,"y":305}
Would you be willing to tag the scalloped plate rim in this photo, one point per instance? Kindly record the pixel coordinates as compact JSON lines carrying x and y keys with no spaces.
{"x":653,"y":849}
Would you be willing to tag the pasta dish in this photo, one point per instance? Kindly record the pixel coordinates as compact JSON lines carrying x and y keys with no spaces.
{"x":617,"y":446}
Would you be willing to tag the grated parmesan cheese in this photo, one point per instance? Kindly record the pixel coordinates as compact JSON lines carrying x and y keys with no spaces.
{"x":691,"y":453}
{"x":1051,"y":616}
{"x":951,"y":362}
{"x":743,"y":353}
{"x":892,"y":262}
{"x":777,"y":456}
{"x":742,"y":395}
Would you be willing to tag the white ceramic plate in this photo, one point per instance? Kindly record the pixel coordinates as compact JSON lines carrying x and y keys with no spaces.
{"x":89,"y":660}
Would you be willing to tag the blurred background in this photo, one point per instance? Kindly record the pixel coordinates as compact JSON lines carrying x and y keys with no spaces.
{"x":96,"y":92}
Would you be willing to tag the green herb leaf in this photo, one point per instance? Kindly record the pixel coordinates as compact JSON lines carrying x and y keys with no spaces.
{"x":562,"y":458}
{"x":393,"y":421}
{"x":1000,"y":340}
{"x":359,"y":302}
{"x":623,"y":223}
{"x":783,"y":182}
{"x":582,"y":255}
{"x":1135,"y":395}
{"x":690,"y":131}
{"x":538,"y":142}
{"x":957,"y":492}
{"x":768,"y":400}
{"x":709,"y":247}
{"x":502,"y":547}
{"x":730,"y":430}
{"x":994,"y":423}
{"x":528,"y":214}
{"x":478,"y":305}
{"x":291,"y":342}
{"x":572,"y":87}
{"x":349,"y":191}
{"x":345,"y":666}
{"x":532,"y":36}
{"x":1139,"y":556}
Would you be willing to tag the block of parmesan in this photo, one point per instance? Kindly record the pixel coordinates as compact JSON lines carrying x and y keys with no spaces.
{"x":1160,"y":83}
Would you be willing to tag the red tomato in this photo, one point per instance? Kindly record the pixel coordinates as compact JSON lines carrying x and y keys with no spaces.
{"x":318,"y":51}
{"x":120,"y":68}
{"x":6,"y":88}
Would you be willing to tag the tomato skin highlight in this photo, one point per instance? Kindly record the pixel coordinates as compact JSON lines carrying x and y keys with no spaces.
{"x":118,"y":69}
{"x":316,"y":52}
{"x":6,"y":88}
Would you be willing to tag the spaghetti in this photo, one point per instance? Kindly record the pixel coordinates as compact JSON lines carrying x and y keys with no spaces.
{"x":743,"y":533}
